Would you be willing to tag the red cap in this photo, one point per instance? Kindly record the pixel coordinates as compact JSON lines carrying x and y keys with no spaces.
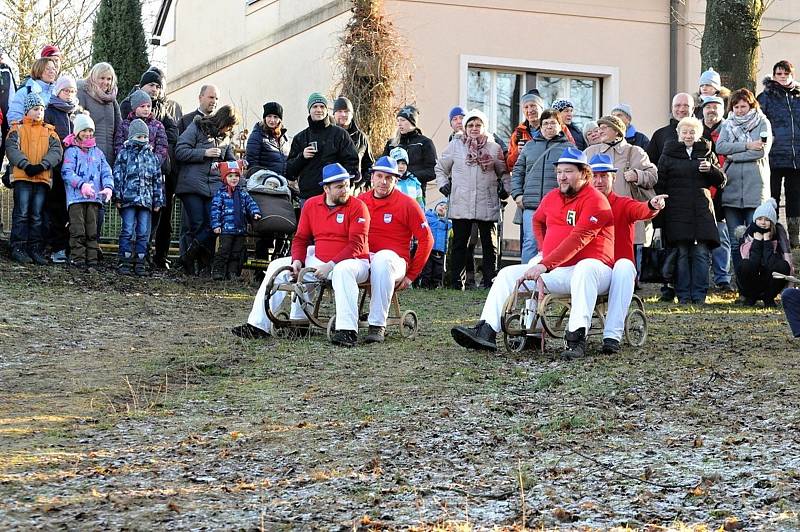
{"x":51,"y":50}
{"x":230,"y":167}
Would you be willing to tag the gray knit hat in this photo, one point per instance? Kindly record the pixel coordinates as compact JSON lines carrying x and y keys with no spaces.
{"x":767,"y":210}
{"x":532,"y":96}
{"x":710,"y":77}
{"x":138,"y":128}
{"x":624,"y":108}
{"x":140,"y":98}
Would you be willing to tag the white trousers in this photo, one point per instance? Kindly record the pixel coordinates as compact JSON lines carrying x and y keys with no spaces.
{"x":345,"y":277}
{"x":582,"y":281}
{"x":623,"y":279}
{"x":386,"y":269}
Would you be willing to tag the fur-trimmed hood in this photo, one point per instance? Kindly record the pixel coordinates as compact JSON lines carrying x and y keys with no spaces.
{"x":772,"y":86}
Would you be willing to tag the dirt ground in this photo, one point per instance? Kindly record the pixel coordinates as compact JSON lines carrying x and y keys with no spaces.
{"x":127,"y":404}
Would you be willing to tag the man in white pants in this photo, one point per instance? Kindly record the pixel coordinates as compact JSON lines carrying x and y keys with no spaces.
{"x":575,"y":229}
{"x":338,"y":224}
{"x":626,"y":213}
{"x":396,"y":218}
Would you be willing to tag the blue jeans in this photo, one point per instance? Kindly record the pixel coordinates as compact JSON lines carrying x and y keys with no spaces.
{"x":135,"y":220}
{"x":26,"y":217}
{"x":721,"y":256}
{"x":691,"y":283}
{"x":198,"y":211}
{"x":735,"y":217}
{"x":529,"y":248}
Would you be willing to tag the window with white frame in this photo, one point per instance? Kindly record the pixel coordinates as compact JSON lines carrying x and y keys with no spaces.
{"x":497,"y":92}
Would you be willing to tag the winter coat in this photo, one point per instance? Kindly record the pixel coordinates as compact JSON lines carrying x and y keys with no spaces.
{"x":712,"y":134}
{"x":157,"y":136}
{"x":534,"y":174}
{"x":137,"y":177}
{"x":265,"y":151}
{"x":361,"y":142}
{"x":187,"y":119}
{"x":522,"y":133}
{"x":689,"y":214}
{"x":636,"y":138}
{"x":782,"y":108}
{"x":58,"y":114}
{"x":747,"y":171}
{"x":473,"y":193}
{"x":168,"y":113}
{"x":440,"y":228}
{"x":411,"y":187}
{"x":106,"y":117}
{"x":16,"y":106}
{"x":30,"y":142}
{"x":196,"y":175}
{"x":779,"y":249}
{"x":85,"y":166}
{"x":660,"y":138}
{"x":626,"y":156}
{"x":421,"y":154}
{"x":577,"y":134}
{"x":230,"y":212}
{"x":333,"y":146}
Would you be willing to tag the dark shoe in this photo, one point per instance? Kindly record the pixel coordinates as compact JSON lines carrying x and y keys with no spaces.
{"x":610,"y":346}
{"x":162,"y":263}
{"x":250,"y":332}
{"x":19,"y":255}
{"x":698,"y":301}
{"x":375,"y":335}
{"x":770,"y":303}
{"x":481,"y":336}
{"x":576,"y":344}
{"x":140,"y":267}
{"x":667,"y":294}
{"x":725,"y":288}
{"x":38,"y":258}
{"x":217,"y":274}
{"x":124,"y":266}
{"x":750,"y":301}
{"x":344,"y":338}
{"x":78,"y":263}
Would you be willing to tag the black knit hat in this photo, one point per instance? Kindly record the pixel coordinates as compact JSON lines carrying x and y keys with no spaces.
{"x":341,"y":103}
{"x":273,"y":108}
{"x":154,"y":75}
{"x":410,"y":113}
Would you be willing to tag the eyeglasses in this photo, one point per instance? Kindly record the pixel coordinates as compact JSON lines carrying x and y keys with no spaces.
{"x":550,"y":123}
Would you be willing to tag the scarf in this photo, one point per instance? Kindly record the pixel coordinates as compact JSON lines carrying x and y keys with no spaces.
{"x":477,"y":154}
{"x":72,"y":140}
{"x":741,"y":126}
{"x":62,"y":105}
{"x":568,"y":134}
{"x":98,"y":94}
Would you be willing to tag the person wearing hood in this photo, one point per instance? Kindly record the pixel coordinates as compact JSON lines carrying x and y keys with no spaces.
{"x":633,"y":137}
{"x":780,"y":103}
{"x":320,"y":144}
{"x":343,"y":117}
{"x":709,"y":84}
{"x":420,"y":149}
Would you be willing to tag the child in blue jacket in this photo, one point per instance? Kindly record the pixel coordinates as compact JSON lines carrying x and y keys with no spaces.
{"x":138,"y":192}
{"x":230,"y":208}
{"x":89,"y":183}
{"x":433,"y":272}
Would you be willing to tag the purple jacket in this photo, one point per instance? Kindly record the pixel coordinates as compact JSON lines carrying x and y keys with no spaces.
{"x":158,"y":136}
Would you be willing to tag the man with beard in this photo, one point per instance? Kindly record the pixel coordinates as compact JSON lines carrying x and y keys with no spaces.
{"x":343,"y":117}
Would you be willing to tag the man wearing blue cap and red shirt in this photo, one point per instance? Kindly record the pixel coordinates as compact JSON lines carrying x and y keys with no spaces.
{"x":575,"y":229}
{"x":337,"y":224}
{"x":395,"y":217}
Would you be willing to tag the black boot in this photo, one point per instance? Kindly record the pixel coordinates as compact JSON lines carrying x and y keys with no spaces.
{"x":140,"y":267}
{"x":481,"y":336}
{"x":576,"y":344}
{"x":189,"y":256}
{"x":124,"y":266}
{"x":18,"y":254}
{"x":218,"y":268}
{"x":38,"y":257}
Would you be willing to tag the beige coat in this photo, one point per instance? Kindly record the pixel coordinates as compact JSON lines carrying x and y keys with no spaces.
{"x":473,"y":194}
{"x":625,"y":157}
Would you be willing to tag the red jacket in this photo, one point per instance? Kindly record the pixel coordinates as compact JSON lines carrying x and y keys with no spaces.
{"x":521,"y":132}
{"x":626,"y":212}
{"x":339,"y":233}
{"x":570,"y":229}
{"x":395,"y":219}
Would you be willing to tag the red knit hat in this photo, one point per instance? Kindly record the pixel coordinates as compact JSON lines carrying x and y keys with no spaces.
{"x":51,"y":50}
{"x":230,"y":167}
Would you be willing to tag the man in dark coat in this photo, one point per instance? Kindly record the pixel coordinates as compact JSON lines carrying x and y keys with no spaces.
{"x":343,"y":117}
{"x":320,"y":144}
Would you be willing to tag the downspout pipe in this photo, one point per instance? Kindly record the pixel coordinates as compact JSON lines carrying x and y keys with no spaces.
{"x":674,"y":5}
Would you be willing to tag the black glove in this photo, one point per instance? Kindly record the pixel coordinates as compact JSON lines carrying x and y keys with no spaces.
{"x":446,"y":189}
{"x":34,"y":169}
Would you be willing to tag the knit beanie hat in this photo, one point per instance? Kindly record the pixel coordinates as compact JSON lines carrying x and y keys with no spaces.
{"x":140,"y":98}
{"x":710,"y":77}
{"x":230,"y":167}
{"x":273,"y":108}
{"x":560,"y":105}
{"x":65,"y":81}
{"x":624,"y":108}
{"x":399,"y":154}
{"x":153,"y":75}
{"x":456,"y":111}
{"x":316,"y":98}
{"x":532,"y":96}
{"x":768,"y":209}
{"x":82,"y":121}
{"x":410,"y":113}
{"x":32,"y":100}
{"x":341,"y":103}
{"x":51,"y":50}
{"x":614,"y":123}
{"x":138,"y":128}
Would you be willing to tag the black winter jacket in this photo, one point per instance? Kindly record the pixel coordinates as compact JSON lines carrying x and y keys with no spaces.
{"x":689,"y":214}
{"x":333,"y":146}
{"x":266,"y":151}
{"x":361,"y":142}
{"x":58,"y":115}
{"x":421,"y":155}
{"x":660,"y":138}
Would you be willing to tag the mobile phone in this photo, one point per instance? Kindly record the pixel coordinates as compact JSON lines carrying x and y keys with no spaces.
{"x":313,"y":145}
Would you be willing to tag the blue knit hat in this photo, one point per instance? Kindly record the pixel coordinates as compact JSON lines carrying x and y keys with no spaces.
{"x":32,"y":100}
{"x":710,"y":77}
{"x":768,"y":209}
{"x":560,"y":105}
{"x":333,"y":173}
{"x":456,"y":111}
{"x":140,"y":98}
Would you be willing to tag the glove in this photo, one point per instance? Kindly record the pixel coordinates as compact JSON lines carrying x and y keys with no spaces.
{"x":446,"y":189}
{"x":106,"y":193}
{"x":34,"y":169}
{"x":87,"y":191}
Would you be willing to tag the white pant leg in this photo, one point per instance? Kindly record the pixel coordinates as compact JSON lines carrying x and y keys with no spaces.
{"x":623,"y":278}
{"x":583,"y":282}
{"x":498,"y":294}
{"x":386,"y":269}
{"x":345,"y":278}
{"x":258,"y":315}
